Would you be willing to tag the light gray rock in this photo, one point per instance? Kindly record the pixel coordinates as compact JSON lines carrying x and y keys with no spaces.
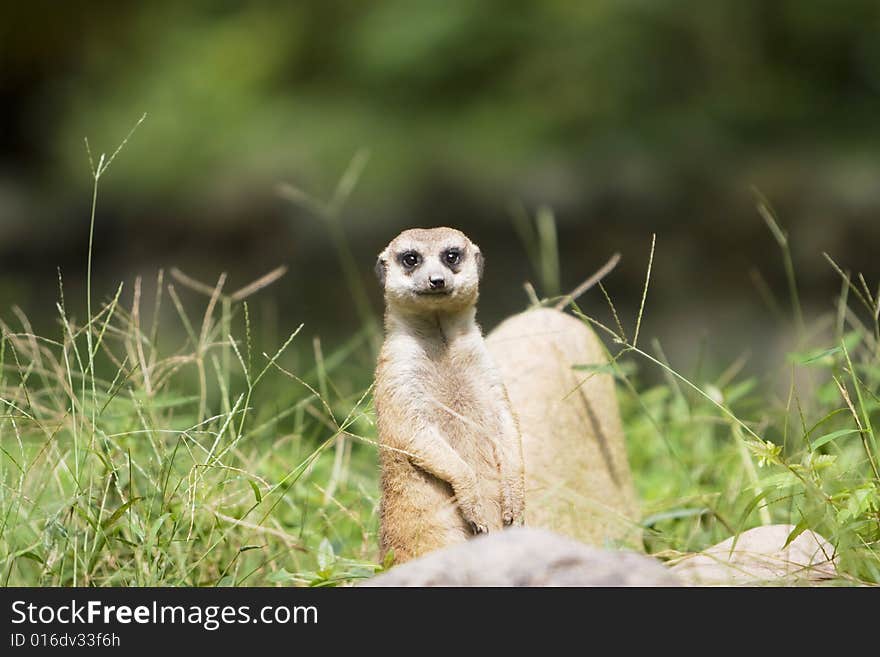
{"x":758,"y":557}
{"x":524,"y":556}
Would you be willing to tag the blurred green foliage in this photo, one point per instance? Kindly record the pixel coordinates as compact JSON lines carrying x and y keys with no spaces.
{"x":242,"y":91}
{"x":627,"y":117}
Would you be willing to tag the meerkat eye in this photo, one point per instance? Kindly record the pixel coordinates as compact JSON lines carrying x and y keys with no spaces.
{"x":452,"y":257}
{"x":410,"y":259}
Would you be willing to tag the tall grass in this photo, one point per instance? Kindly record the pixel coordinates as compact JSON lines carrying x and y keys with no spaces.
{"x":713,"y":457}
{"x":175,"y":453}
{"x":155,"y":443}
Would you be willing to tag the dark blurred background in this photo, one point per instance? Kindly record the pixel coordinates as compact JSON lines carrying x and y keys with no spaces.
{"x":627,"y":117}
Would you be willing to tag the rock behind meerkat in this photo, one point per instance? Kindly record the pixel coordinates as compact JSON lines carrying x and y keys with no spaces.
{"x":450,"y":450}
{"x":578,"y":480}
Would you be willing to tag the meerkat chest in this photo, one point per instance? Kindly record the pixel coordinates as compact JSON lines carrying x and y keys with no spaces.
{"x":454,"y":385}
{"x":459,"y":396}
{"x":446,"y":382}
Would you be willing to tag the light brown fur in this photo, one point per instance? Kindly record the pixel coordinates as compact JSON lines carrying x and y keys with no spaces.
{"x":451,"y":454}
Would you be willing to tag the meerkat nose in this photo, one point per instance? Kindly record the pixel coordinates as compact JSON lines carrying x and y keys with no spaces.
{"x":437,"y":282}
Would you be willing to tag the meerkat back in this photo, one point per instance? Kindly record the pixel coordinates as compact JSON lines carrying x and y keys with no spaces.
{"x":577,"y":474}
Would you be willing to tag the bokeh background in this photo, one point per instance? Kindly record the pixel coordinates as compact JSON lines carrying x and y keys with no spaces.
{"x":626,"y":117}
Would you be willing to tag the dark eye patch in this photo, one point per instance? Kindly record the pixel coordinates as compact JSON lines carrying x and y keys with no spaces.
{"x":452,"y":257}
{"x":409,"y":260}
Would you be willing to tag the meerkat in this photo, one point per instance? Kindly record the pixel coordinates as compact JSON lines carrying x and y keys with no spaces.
{"x":450,"y":448}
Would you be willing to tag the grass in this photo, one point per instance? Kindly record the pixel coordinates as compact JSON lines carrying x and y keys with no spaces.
{"x":154,"y":443}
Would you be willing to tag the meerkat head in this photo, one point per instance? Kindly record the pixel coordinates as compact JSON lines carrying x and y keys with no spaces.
{"x":430,"y":269}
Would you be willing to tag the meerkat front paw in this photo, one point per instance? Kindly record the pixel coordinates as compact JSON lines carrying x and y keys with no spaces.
{"x":475,"y":519}
{"x":477,"y":528}
{"x":473,"y":512}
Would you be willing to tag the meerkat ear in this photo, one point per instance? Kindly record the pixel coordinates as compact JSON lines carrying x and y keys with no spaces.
{"x":478,"y":258}
{"x":381,"y":266}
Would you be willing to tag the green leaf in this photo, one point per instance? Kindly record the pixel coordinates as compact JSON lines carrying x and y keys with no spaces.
{"x":119,"y":512}
{"x":749,"y":508}
{"x":828,"y":437}
{"x":12,"y":458}
{"x":797,"y":531}
{"x":851,"y":340}
{"x":388,"y":561}
{"x":861,"y":500}
{"x":169,"y":401}
{"x":813,"y":356}
{"x":739,"y":390}
{"x":282,"y":576}
{"x":155,"y":527}
{"x":326,"y":556}
{"x":84,"y":514}
{"x":817,"y":462}
{"x":32,"y":556}
{"x":766,"y":451}
{"x":257,"y":494}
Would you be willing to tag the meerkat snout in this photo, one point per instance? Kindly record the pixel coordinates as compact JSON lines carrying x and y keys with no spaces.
{"x":433,"y":268}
